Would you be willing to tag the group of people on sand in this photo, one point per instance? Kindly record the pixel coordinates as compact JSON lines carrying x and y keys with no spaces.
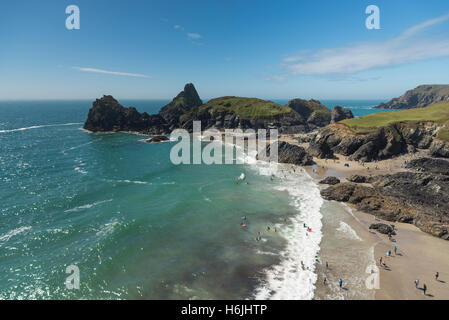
{"x":389,"y":253}
{"x":424,"y":287}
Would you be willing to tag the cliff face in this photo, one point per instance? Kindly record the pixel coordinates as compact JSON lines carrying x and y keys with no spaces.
{"x":384,"y":143}
{"x":107,"y":115}
{"x":419,"y":97}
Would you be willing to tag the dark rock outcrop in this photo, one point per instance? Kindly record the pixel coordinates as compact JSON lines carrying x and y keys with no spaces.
{"x":419,"y":97}
{"x":439,"y":148}
{"x":185,"y":101}
{"x":107,"y":115}
{"x":313,"y":112}
{"x":383,"y":228}
{"x":418,"y":198}
{"x":382,"y":144}
{"x":330,"y":181}
{"x":320,"y":150}
{"x":339,"y":113}
{"x":357,"y":178}
{"x":290,"y":153}
{"x":430,"y":165}
{"x":157,"y":139}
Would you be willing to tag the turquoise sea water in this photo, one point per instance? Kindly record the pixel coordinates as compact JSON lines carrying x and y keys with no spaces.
{"x":137,"y":226}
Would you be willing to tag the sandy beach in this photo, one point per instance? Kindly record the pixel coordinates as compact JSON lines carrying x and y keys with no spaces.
{"x":419,"y":255}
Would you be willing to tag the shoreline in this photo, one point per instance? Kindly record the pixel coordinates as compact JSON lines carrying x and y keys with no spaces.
{"x":419,"y":255}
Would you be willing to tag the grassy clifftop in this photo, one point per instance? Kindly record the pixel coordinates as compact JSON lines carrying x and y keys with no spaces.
{"x":438,"y":113}
{"x":246,"y":108}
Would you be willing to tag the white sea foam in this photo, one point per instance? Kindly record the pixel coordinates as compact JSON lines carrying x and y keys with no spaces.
{"x":40,"y":126}
{"x":107,"y":228}
{"x":12,"y":233}
{"x":88,"y":206}
{"x":127,"y":181}
{"x":78,"y":169}
{"x":346,"y":231}
{"x":132,"y":181}
{"x":287,"y":280}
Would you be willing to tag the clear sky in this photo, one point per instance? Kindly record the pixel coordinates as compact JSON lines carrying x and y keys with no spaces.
{"x":267,"y":49}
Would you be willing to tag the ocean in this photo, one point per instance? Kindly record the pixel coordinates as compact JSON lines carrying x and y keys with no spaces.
{"x":138,"y":227}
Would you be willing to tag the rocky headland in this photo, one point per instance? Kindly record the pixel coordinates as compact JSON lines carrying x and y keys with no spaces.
{"x":108,"y":115}
{"x":420,"y":97}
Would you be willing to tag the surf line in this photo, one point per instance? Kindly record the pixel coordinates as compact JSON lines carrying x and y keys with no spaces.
{"x":41,"y":126}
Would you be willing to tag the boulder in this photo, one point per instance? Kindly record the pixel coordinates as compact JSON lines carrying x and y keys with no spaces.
{"x":289,"y":153}
{"x":330,"y":181}
{"x":383,"y":228}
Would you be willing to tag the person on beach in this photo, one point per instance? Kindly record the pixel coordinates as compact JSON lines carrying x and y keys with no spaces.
{"x":380,"y":261}
{"x":437,"y":275}
{"x":324,"y":281}
{"x":327,"y":265}
{"x":340,"y":283}
{"x":424,"y":288}
{"x":416,"y":283}
{"x":395,"y":250}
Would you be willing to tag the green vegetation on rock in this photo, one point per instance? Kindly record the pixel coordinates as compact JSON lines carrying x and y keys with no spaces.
{"x":246,"y":108}
{"x":438,"y":113}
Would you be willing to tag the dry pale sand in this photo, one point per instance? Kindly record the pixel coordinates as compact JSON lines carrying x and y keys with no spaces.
{"x":420,"y":255}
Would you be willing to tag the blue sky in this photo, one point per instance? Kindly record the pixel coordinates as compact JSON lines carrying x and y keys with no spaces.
{"x":267,"y":49}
